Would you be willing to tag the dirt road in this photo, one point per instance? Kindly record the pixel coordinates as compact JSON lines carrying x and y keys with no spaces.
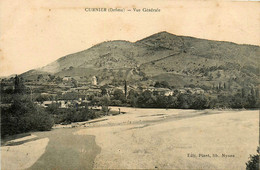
{"x":142,"y":138}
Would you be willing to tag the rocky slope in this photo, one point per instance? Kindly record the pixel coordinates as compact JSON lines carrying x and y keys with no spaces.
{"x":180,"y":60}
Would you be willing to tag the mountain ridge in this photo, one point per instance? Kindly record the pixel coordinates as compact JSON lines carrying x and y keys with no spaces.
{"x":162,"y":54}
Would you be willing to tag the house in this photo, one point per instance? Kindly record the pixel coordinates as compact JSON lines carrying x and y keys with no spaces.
{"x":159,"y":91}
{"x":191,"y":90}
{"x":198,"y":91}
{"x":94,"y":80}
{"x":182,"y":91}
{"x":163,"y":91}
{"x":47,"y":103}
{"x":151,"y":89}
{"x":88,"y":91}
{"x":66,"y":78}
{"x":169,"y":93}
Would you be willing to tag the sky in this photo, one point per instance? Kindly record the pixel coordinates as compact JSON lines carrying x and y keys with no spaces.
{"x":34,"y":33}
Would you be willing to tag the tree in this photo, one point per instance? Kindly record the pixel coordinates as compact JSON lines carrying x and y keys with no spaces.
{"x":210,"y":77}
{"x":103,"y":90}
{"x":18,"y":85}
{"x":257,"y":93}
{"x":132,"y":98}
{"x":24,"y":116}
{"x":125,"y":89}
{"x":251,"y":101}
{"x":145,"y":99}
{"x":219,"y":85}
{"x":51,"y":77}
{"x":119,"y":95}
{"x":74,"y":82}
{"x":53,"y":108}
{"x":162,"y":101}
{"x":162,"y":84}
{"x":218,"y":74}
{"x":172,"y":101}
{"x":200,"y":102}
{"x":184,"y":101}
{"x":58,"y":79}
{"x":225,"y":86}
{"x":70,"y":96}
{"x":243,"y":92}
{"x":104,"y":101}
{"x":40,"y":76}
{"x":253,"y":162}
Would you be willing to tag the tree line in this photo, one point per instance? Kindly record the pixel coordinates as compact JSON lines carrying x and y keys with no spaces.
{"x":148,"y":99}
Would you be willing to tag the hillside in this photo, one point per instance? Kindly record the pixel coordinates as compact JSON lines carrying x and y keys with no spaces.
{"x":180,"y":60}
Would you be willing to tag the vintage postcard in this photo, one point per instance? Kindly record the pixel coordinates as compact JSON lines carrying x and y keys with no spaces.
{"x":122,"y":84}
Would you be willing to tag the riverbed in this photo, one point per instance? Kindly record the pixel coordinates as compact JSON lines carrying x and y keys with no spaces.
{"x":141,"y":138}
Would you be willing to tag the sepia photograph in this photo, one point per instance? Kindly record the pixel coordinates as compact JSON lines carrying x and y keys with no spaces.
{"x":129,"y":84}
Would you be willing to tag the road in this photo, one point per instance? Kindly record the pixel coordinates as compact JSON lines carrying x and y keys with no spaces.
{"x":141,"y":138}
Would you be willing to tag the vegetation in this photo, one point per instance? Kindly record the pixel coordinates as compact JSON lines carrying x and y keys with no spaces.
{"x":78,"y":113}
{"x":22,"y":115}
{"x":188,"y":100}
{"x":196,"y":61}
{"x":253,"y":162}
{"x":69,"y":115}
{"x":163,"y":84}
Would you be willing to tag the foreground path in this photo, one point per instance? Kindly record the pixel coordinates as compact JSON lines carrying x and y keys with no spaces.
{"x":142,"y":138}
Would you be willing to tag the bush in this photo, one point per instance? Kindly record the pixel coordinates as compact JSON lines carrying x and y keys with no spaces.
{"x":70,"y":115}
{"x":52,"y":108}
{"x":105,"y":110}
{"x":236,"y":101}
{"x":119,"y":95}
{"x":200,"y":102}
{"x":163,"y":84}
{"x":116,"y":103}
{"x":253,"y":162}
{"x":184,"y":101}
{"x":24,"y":116}
{"x":40,"y":121}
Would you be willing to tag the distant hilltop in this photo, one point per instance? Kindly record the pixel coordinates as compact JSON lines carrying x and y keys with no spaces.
{"x":163,"y":56}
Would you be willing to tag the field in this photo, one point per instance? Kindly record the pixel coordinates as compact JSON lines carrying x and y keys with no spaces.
{"x":142,"y":138}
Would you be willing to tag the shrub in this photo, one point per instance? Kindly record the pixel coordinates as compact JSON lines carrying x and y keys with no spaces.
{"x":70,"y":115}
{"x":253,"y":162}
{"x":116,"y":102}
{"x":24,"y":116}
{"x":40,"y":121}
{"x":119,"y":95}
{"x":184,"y":101}
{"x":200,"y":102}
{"x":105,"y":110}
{"x":163,"y":84}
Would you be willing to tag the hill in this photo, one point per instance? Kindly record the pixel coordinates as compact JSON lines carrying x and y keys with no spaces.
{"x":180,"y":60}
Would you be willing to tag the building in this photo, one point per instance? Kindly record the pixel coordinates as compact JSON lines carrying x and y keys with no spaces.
{"x":88,"y":91}
{"x":160,"y":91}
{"x":94,"y":80}
{"x":199,"y":91}
{"x":66,"y":78}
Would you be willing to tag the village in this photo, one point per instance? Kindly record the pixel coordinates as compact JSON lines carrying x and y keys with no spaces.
{"x":66,"y":94}
{"x":82,"y":94}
